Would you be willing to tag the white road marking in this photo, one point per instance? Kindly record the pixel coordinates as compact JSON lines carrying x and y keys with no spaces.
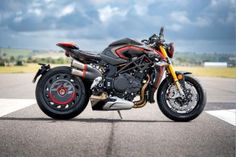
{"x":11,"y":105}
{"x":228,"y":116}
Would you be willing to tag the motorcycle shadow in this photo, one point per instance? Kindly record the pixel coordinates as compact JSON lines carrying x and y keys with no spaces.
{"x":85,"y":120}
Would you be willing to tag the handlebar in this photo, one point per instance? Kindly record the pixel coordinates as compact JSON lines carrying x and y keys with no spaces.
{"x":155,"y":39}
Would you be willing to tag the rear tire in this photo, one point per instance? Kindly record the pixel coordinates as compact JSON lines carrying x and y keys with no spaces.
{"x":173,"y":115}
{"x":57,"y":109}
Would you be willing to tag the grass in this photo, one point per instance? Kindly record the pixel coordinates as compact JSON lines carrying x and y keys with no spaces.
{"x":197,"y":71}
{"x":20,"y":69}
{"x":210,"y":71}
{"x":29,"y":68}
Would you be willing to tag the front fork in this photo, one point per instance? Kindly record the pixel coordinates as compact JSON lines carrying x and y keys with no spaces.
{"x":172,"y":72}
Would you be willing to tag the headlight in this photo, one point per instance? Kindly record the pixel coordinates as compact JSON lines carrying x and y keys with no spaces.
{"x":170,"y":50}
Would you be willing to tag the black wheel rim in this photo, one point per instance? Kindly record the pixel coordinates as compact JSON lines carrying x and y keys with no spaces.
{"x":61,"y":92}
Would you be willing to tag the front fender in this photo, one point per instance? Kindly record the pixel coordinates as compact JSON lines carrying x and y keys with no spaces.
{"x":183,"y":72}
{"x":169,"y":79}
{"x":182,"y":78}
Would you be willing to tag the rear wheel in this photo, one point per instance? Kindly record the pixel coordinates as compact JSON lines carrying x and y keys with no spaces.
{"x":61,"y":95}
{"x":177,"y":108}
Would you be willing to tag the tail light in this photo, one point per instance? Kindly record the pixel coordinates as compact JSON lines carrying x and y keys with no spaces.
{"x":170,"y":50}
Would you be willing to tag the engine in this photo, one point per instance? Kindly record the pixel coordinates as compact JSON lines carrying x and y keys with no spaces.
{"x":124,"y":86}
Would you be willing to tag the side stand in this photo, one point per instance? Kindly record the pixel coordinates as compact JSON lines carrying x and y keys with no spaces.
{"x":119,"y":114}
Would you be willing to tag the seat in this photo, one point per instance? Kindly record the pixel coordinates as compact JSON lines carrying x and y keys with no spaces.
{"x":85,"y":56}
{"x":125,"y":41}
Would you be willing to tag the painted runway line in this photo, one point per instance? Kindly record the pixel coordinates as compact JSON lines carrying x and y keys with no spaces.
{"x":228,"y":116}
{"x":11,"y":105}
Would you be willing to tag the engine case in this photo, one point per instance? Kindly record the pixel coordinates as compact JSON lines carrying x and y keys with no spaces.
{"x":126,"y":83}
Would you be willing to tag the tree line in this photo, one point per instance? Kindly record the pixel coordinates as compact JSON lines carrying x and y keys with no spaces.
{"x":20,"y":60}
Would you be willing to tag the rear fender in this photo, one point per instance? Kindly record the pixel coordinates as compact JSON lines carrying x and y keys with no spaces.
{"x":43,"y":70}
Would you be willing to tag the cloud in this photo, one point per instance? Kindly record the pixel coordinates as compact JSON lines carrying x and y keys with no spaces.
{"x":180,"y":17}
{"x":48,"y":1}
{"x":36,"y":11}
{"x":18,"y":19}
{"x":67,"y":10}
{"x":221,"y":3}
{"x":175,"y":27}
{"x":106,"y":13}
{"x":202,"y":22}
{"x":100,"y":21}
{"x":100,"y":1}
{"x":141,"y":7}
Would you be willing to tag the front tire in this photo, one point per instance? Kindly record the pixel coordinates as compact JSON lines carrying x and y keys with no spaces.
{"x":61,"y":95}
{"x":174,"y":109}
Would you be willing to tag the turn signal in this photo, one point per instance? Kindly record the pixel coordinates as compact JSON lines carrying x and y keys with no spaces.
{"x":180,"y":77}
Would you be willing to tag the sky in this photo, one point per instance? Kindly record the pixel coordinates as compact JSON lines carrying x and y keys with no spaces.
{"x":193,"y":25}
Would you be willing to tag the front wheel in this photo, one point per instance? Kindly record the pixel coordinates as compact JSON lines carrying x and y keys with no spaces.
{"x":61,"y":95}
{"x":177,"y":108}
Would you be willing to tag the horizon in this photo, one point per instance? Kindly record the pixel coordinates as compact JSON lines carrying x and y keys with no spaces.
{"x":204,"y":26}
{"x":60,"y":49}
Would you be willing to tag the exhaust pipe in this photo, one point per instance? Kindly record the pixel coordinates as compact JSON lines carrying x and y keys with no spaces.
{"x":142,"y":102}
{"x":84,"y":70}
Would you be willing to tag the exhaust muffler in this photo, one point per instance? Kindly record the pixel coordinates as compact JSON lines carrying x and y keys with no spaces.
{"x":84,"y":70}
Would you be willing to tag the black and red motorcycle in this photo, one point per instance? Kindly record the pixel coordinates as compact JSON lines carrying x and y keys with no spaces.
{"x":112,"y":79}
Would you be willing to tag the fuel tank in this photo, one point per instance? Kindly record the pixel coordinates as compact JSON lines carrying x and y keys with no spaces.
{"x":122,"y":51}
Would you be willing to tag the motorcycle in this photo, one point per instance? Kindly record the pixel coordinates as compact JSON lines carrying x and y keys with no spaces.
{"x":125,"y":71}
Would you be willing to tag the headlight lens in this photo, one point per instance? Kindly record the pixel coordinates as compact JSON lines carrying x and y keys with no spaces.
{"x":170,"y":50}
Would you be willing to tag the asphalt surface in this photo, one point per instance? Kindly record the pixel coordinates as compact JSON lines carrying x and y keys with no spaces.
{"x":144,"y":132}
